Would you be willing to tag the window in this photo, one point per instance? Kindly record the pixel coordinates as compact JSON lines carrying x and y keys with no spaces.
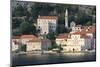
{"x":50,"y":26}
{"x":44,"y":32}
{"x":54,"y":26}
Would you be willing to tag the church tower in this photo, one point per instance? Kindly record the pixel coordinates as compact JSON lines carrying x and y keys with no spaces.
{"x":66,"y":19}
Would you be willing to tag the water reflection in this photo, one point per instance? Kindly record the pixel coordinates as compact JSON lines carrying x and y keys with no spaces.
{"x":34,"y":59}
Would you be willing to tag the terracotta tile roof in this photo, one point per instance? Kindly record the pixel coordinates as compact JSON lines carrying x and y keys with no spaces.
{"x":62,"y":36}
{"x":39,"y":40}
{"x":86,"y":30}
{"x":80,"y":32}
{"x":82,"y":36}
{"x":47,"y":17}
{"x":28,"y":36}
{"x":34,"y":40}
{"x":89,"y":27}
{"x":92,"y":29}
{"x":85,"y":36}
{"x":78,"y":25}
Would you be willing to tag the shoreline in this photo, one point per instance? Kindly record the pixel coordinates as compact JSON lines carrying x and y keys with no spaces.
{"x":41,"y":53}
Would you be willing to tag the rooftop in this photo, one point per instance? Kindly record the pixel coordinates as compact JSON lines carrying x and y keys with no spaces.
{"x":39,"y":40}
{"x":28,"y":36}
{"x":47,"y":17}
{"x":62,"y":36}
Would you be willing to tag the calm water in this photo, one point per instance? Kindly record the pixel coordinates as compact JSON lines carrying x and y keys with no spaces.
{"x":31,"y":59}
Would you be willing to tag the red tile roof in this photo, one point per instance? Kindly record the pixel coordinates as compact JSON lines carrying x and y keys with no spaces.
{"x":62,"y":36}
{"x":28,"y":36}
{"x":34,"y":40}
{"x":85,"y":36}
{"x":39,"y":40}
{"x":86,"y":30}
{"x":78,"y":25}
{"x":47,"y":17}
{"x":83,"y":32}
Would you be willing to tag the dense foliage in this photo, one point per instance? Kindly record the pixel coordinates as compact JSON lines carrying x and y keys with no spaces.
{"x":25,"y":16}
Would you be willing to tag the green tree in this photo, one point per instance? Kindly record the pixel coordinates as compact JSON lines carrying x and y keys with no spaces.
{"x":27,"y":28}
{"x":16,"y":23}
{"x":19,"y":11}
{"x":51,"y":36}
{"x":54,"y":45}
{"x":60,"y":48}
{"x":16,"y":32}
{"x":89,"y":23}
{"x":23,"y":48}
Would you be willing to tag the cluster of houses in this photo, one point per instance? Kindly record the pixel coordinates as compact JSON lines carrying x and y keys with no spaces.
{"x":30,"y":42}
{"x":81,"y":38}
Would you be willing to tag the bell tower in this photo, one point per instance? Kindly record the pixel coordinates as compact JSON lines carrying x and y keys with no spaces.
{"x":66,"y":19}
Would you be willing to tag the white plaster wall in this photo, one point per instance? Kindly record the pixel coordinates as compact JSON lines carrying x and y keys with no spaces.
{"x":33,"y":46}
